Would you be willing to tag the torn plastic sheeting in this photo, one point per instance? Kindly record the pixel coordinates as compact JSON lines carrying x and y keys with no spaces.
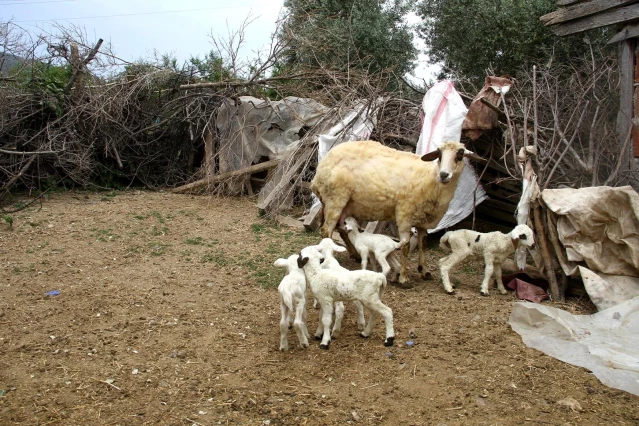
{"x":606,"y":343}
{"x":606,"y":291}
{"x":527,"y":291}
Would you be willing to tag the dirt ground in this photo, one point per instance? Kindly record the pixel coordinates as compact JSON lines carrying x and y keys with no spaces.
{"x":168,"y":314}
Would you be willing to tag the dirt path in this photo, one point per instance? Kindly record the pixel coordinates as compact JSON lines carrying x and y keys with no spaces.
{"x":168,"y":313}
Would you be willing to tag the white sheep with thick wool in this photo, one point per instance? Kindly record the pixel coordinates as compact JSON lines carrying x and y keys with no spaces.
{"x":292,"y":290}
{"x":494,"y":247}
{"x":370,"y":181}
{"x":379,"y":245}
{"x":330,"y":286}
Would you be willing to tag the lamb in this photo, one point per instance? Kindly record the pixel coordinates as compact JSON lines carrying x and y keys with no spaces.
{"x":330,"y":286}
{"x":326,"y":247}
{"x":292,"y":291}
{"x":495,"y":247}
{"x":370,"y":181}
{"x":365,"y":242}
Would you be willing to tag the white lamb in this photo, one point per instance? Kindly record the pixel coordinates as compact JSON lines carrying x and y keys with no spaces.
{"x":495,"y":247}
{"x":380,"y":245}
{"x":330,"y":286}
{"x":326,"y":247}
{"x":292,"y":291}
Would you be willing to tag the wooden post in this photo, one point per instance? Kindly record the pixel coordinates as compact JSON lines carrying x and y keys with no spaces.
{"x":635,"y":151}
{"x":626,"y":95}
{"x":556,"y":293}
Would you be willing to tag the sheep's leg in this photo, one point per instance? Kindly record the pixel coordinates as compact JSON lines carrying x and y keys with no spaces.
{"x":361,"y":320}
{"x":488,"y":276}
{"x":300,"y":325}
{"x":445,"y":265}
{"x":284,"y":328}
{"x":404,"y":239}
{"x":327,"y":316}
{"x":332,"y":214}
{"x":339,"y":315}
{"x":386,"y":313}
{"x":422,"y":234}
{"x":500,"y":283}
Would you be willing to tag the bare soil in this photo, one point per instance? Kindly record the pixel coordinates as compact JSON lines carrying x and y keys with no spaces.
{"x":168,"y":313}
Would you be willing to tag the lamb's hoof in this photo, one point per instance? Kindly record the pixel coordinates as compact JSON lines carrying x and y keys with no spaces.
{"x":334,"y":336}
{"x":283,"y":348}
{"x":325,"y":347}
{"x":363,"y":336}
{"x":428,"y":276}
{"x":290,"y":327}
{"x":389,"y":341}
{"x":483,"y":293}
{"x":452,"y":292}
{"x":318,"y":337}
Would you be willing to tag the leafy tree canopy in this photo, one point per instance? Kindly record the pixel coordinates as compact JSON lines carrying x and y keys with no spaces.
{"x":470,"y":36}
{"x":340,"y":34}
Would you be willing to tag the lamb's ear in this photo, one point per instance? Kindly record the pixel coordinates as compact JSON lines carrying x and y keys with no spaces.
{"x":472,"y":156}
{"x":432,"y":156}
{"x":338,"y":249}
{"x":523,"y":237}
{"x":301,"y":261}
{"x":514,"y":238}
{"x":281,"y":262}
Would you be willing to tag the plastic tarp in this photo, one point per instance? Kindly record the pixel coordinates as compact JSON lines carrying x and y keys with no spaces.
{"x":606,"y":343}
{"x":444,"y":113}
{"x":599,"y":230}
{"x":252,"y":128}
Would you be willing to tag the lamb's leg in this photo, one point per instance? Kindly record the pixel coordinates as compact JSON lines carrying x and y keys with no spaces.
{"x":374,"y":262}
{"x":383,"y":262}
{"x":327,"y":316}
{"x":284,"y":328}
{"x":422,"y":234}
{"x":339,"y":315}
{"x":386,"y":313}
{"x":395,"y":266}
{"x":361,"y":320}
{"x":488,"y":276}
{"x":371,"y":322}
{"x":319,"y":331}
{"x":445,"y":265}
{"x":500,"y":283}
{"x":364,"y":254}
{"x":300,"y":325}
{"x":305,"y":319}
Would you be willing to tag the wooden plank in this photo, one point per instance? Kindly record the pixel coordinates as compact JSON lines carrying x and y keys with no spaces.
{"x":568,"y":2}
{"x":276,"y":192}
{"x":289,"y":221}
{"x":611,"y":17}
{"x":635,"y":151}
{"x":629,"y":31}
{"x":375,"y":227}
{"x":312,"y":220}
{"x":626,"y":93}
{"x":227,"y":175}
{"x":582,"y":10}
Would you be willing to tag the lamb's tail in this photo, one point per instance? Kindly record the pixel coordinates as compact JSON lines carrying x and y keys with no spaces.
{"x":443,"y":243}
{"x":287,"y":299}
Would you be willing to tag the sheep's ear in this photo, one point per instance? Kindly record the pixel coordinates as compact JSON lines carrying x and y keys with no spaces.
{"x":432,"y":156}
{"x":338,"y":249}
{"x":301,"y":261}
{"x":472,"y":156}
{"x":281,"y":262}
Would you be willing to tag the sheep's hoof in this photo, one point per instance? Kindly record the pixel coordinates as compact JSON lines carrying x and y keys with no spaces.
{"x":405,"y":285}
{"x":318,"y":337}
{"x":483,"y":293}
{"x":363,"y":336}
{"x":325,"y":347}
{"x":428,"y":276}
{"x":389,"y":341}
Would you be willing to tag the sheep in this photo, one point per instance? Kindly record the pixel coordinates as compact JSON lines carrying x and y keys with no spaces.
{"x":292,"y":290}
{"x":365,"y":242}
{"x":326,"y":247}
{"x":495,"y":247}
{"x":330,"y":286}
{"x":370,"y":181}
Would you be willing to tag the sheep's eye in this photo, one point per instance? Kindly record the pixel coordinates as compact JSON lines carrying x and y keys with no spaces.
{"x":460,"y":155}
{"x":522,"y":236}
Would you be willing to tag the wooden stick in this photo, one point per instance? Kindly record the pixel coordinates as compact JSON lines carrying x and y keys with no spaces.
{"x":222,"y":176}
{"x":557,"y":295}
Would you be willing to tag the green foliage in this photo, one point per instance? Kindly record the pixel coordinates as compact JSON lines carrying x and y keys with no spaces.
{"x":470,"y":37}
{"x":341,"y":34}
{"x":8,"y":219}
{"x":211,"y":67}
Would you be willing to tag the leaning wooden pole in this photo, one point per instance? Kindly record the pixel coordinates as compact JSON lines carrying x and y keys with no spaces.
{"x":555,"y":292}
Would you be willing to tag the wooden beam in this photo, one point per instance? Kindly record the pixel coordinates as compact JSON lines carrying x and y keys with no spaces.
{"x":629,"y":31}
{"x":312,"y":219}
{"x":626,"y":94}
{"x":567,"y":2}
{"x":635,"y":151}
{"x":582,"y":10}
{"x":227,"y":175}
{"x":611,"y":17}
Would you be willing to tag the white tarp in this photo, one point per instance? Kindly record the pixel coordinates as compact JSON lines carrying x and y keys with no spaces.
{"x":599,"y":229}
{"x":444,"y":113}
{"x":606,"y":343}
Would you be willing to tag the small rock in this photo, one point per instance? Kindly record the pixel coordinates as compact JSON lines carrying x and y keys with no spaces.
{"x":355,"y":415}
{"x":481,"y":402}
{"x":135,"y":371}
{"x":571,"y":403}
{"x":411,"y":333}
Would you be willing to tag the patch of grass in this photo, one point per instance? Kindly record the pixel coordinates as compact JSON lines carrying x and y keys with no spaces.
{"x":218,"y":258}
{"x":468,"y":269}
{"x":8,"y":219}
{"x":158,"y":216}
{"x":139,"y":217}
{"x":267,"y":278}
{"x":159,"y":231}
{"x":195,"y":241}
{"x":16,"y":270}
{"x":104,"y":235}
{"x":157,"y":249}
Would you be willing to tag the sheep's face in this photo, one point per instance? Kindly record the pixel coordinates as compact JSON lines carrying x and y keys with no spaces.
{"x":451,"y":156}
{"x":522,"y":235}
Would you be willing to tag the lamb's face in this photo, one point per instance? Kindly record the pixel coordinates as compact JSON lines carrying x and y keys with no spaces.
{"x":349,"y":224}
{"x":309,"y":254}
{"x":451,"y":160}
{"x":327,"y":247}
{"x":522,"y":235}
